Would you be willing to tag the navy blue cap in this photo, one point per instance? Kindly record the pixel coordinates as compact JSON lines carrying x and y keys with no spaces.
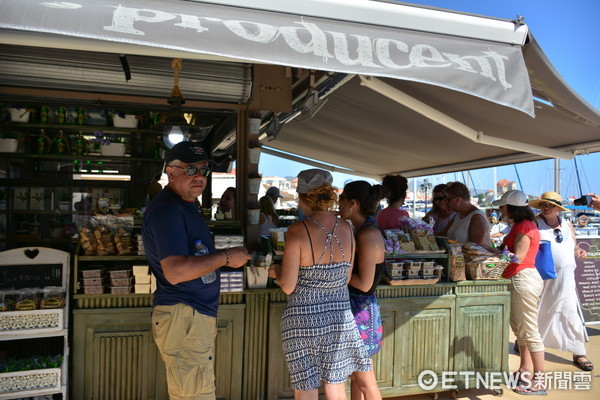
{"x":187,"y":152}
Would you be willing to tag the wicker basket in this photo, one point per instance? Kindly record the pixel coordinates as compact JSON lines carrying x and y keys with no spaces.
{"x":485,"y":270}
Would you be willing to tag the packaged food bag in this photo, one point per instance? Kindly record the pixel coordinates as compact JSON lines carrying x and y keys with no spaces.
{"x":52,"y":297}
{"x":457,"y":263}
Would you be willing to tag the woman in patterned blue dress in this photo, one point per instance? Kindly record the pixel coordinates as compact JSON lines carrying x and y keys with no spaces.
{"x":320,"y":339}
{"x":358,"y":203}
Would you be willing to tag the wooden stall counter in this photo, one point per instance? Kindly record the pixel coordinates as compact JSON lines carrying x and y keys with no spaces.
{"x":443,"y":327}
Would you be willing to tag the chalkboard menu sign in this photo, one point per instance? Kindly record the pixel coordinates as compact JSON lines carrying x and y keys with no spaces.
{"x":587,"y":277}
{"x":30,"y":276}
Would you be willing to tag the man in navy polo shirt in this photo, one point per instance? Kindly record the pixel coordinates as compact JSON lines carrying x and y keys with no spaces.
{"x":184,"y":317}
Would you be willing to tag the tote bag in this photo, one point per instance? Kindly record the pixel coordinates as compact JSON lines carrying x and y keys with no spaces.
{"x":544,"y":261}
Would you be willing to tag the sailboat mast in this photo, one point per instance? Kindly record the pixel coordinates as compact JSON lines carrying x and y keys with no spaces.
{"x":414,"y":204}
{"x":495,"y":185}
{"x":556,"y":175}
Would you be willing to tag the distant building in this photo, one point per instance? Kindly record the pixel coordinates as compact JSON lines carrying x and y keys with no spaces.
{"x":505,"y":185}
{"x":283,"y":184}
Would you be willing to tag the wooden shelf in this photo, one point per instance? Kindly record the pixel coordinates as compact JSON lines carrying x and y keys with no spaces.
{"x":113,"y":258}
{"x":73,"y":127}
{"x":420,"y":255}
{"x":86,"y":157}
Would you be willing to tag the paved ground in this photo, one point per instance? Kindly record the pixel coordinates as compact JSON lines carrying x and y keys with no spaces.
{"x":555,"y":361}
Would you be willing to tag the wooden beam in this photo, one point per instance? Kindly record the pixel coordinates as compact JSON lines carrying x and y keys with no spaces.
{"x":107,"y":98}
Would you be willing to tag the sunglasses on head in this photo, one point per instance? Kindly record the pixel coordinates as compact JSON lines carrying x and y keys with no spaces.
{"x":192,"y":170}
{"x":558,"y":235}
{"x":439,"y":198}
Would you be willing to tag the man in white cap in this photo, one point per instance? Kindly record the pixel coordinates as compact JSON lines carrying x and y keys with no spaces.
{"x":274,"y":194}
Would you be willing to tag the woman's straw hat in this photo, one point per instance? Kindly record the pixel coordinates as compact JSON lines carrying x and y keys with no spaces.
{"x":549,"y":197}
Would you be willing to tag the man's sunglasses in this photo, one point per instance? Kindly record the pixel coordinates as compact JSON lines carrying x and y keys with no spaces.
{"x":440,"y":198}
{"x":192,"y":170}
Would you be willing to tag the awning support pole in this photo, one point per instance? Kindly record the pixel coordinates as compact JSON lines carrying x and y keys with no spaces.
{"x":316,"y":164}
{"x":476,"y":136}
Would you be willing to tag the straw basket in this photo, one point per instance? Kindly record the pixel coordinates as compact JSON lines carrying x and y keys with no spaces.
{"x":485,"y":270}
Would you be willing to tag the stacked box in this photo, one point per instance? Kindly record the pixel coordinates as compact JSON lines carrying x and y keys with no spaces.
{"x":140,"y":245}
{"x":228,"y":241}
{"x":141,"y":273}
{"x":412,"y":269}
{"x":395,"y":270}
{"x":232,"y":281}
{"x":428,"y":269}
{"x":120,"y":281}
{"x":92,"y":281}
{"x":236,"y":240}
{"x":409,"y":269}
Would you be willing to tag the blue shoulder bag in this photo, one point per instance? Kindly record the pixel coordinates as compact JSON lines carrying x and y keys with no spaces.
{"x":544,"y":262}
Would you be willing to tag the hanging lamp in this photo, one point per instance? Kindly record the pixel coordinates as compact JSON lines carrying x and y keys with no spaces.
{"x":176,"y":127}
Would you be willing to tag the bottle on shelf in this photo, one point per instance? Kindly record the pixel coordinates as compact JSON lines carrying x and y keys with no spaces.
{"x":44,"y":114}
{"x":42,"y":145}
{"x":61,"y":145}
{"x":81,"y":145}
{"x":155,"y":117}
{"x":61,"y":115}
{"x":81,"y":116}
{"x":202,"y":250}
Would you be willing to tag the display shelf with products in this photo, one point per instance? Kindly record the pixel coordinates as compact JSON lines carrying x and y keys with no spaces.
{"x":430,"y":267}
{"x":61,"y":173}
{"x":105,"y":263}
{"x":34,"y":323}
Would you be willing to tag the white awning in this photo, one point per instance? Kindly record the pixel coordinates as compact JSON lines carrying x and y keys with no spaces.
{"x":478,"y":71}
{"x":366,"y":133}
{"x":488,"y":64}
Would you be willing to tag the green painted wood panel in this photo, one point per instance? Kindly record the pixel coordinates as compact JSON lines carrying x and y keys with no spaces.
{"x":256,"y":346}
{"x":278,"y":383}
{"x":423,"y":339}
{"x":114,"y":356}
{"x":384,"y":360}
{"x":229,"y":352}
{"x":481,"y":340}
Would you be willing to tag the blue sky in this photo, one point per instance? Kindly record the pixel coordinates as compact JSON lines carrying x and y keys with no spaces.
{"x":568,"y":32}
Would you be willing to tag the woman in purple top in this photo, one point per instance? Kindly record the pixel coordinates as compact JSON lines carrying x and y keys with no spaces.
{"x":394,"y":188}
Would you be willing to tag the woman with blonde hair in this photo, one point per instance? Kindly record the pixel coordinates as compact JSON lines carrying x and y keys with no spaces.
{"x":321,"y":342}
{"x":268,"y":216}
